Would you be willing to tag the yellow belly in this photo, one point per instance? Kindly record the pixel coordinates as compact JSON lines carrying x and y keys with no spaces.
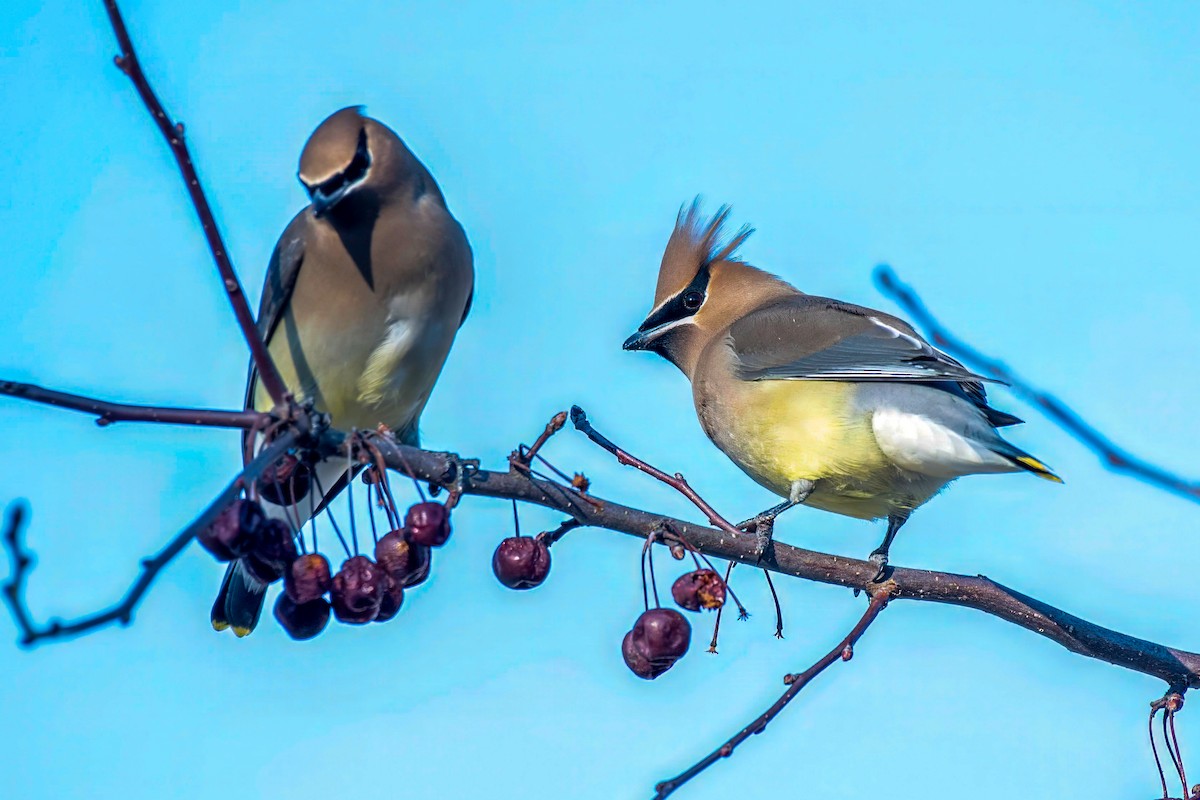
{"x":780,"y":432}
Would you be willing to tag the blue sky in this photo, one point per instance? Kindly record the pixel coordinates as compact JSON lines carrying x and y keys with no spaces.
{"x":1030,"y":167}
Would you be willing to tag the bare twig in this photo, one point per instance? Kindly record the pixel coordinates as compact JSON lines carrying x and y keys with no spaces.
{"x":127,"y":61}
{"x":795,"y":682}
{"x":108,"y":413}
{"x":524,"y":455}
{"x":677,"y":481}
{"x":1113,"y":456}
{"x":122,"y":612}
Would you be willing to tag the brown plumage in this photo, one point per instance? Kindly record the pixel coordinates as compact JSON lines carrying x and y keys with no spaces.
{"x":363,"y":296}
{"x":826,"y":403}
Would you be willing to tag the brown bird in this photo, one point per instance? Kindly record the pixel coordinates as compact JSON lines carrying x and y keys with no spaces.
{"x":825,"y":403}
{"x":364,"y":294}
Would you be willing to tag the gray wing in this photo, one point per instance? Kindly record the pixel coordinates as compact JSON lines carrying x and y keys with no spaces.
{"x":282,"y":271}
{"x":816,"y":338}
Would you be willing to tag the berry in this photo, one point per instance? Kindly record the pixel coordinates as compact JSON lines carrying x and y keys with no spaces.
{"x":428,"y":524}
{"x":701,"y":588}
{"x":521,"y":562}
{"x":235,"y":531}
{"x":357,"y":591}
{"x":638,"y":664}
{"x":286,"y":482}
{"x":393,"y":598}
{"x":301,"y":621}
{"x":307,"y":578}
{"x":406,"y":562}
{"x":662,"y":634}
{"x":276,"y":544}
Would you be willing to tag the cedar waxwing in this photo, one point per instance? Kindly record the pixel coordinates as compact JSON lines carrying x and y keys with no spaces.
{"x":825,"y":403}
{"x":364,"y":293}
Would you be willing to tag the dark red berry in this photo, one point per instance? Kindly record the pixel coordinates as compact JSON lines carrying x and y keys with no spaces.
{"x":400,"y":558}
{"x":286,"y":482}
{"x":235,"y":531}
{"x":662,"y":635}
{"x":701,"y":588}
{"x":357,"y":591}
{"x":276,"y":545}
{"x":301,"y":621}
{"x":393,"y":598}
{"x":420,"y":560}
{"x":638,"y":664}
{"x":307,"y":578}
{"x":267,"y":573}
{"x":521,"y":562}
{"x":428,"y":524}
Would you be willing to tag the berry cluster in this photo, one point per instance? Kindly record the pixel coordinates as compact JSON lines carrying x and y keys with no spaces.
{"x":362,"y":590}
{"x":660,"y":636}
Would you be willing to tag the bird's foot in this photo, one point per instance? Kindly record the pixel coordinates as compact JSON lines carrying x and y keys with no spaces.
{"x":763,"y":529}
{"x":880,"y":559}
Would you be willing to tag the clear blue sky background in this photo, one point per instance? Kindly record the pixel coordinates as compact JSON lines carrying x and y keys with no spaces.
{"x":1031,"y":167}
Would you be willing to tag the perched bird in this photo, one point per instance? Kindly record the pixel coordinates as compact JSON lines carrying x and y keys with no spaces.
{"x":364,"y":294}
{"x":829,"y":404}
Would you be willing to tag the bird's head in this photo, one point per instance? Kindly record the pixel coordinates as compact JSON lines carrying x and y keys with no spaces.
{"x":702,"y":288}
{"x":351,"y":154}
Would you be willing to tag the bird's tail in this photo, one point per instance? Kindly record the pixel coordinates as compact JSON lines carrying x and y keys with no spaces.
{"x":242,"y":594}
{"x":240,"y":600}
{"x":1023,"y":460}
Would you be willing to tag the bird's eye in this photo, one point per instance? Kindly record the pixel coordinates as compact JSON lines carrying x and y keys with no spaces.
{"x":692,"y":300}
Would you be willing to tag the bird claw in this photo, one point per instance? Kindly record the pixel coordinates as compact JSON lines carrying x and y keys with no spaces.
{"x":880,"y":560}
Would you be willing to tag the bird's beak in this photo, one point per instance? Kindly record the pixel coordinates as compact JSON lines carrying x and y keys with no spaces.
{"x":321,"y":202}
{"x":645,"y":336}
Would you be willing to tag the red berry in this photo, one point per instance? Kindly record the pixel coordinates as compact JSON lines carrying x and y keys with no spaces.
{"x":393,"y":598}
{"x":662,"y":635}
{"x":428,"y":524}
{"x":521,"y":562}
{"x":235,"y":531}
{"x":286,"y":482}
{"x":307,"y":578}
{"x":276,"y":544}
{"x":357,"y":591}
{"x":701,"y":588}
{"x":301,"y":621}
{"x":638,"y":664}
{"x":400,"y":558}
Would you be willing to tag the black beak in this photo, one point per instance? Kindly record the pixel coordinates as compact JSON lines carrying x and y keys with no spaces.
{"x":639,"y":341}
{"x":321,"y":202}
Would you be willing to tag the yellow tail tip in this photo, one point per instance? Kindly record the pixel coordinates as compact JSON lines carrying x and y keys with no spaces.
{"x":1038,"y":468}
{"x":219,"y":625}
{"x":241,"y":632}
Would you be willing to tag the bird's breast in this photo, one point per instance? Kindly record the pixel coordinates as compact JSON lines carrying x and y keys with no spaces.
{"x":780,"y":432}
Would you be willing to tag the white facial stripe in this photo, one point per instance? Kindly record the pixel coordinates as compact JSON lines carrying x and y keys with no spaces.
{"x":654,"y":333}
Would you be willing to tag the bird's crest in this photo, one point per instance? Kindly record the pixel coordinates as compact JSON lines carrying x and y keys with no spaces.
{"x":695,"y":243}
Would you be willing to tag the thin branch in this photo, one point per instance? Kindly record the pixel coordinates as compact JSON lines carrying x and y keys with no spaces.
{"x":173,"y":132}
{"x":108,"y":413}
{"x":1180,"y":669}
{"x":1111,"y":455}
{"x":795,"y":682}
{"x":677,"y":481}
{"x":122,"y":612}
{"x":523,"y":455}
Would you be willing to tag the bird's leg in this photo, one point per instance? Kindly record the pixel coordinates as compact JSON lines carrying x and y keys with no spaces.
{"x":879,"y":556}
{"x":763,"y":525}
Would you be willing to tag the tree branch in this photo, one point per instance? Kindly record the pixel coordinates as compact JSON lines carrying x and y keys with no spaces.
{"x":108,"y":413}
{"x":844,"y":651}
{"x":127,"y":61}
{"x":122,"y":612}
{"x":1178,"y":668}
{"x":1113,"y":456}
